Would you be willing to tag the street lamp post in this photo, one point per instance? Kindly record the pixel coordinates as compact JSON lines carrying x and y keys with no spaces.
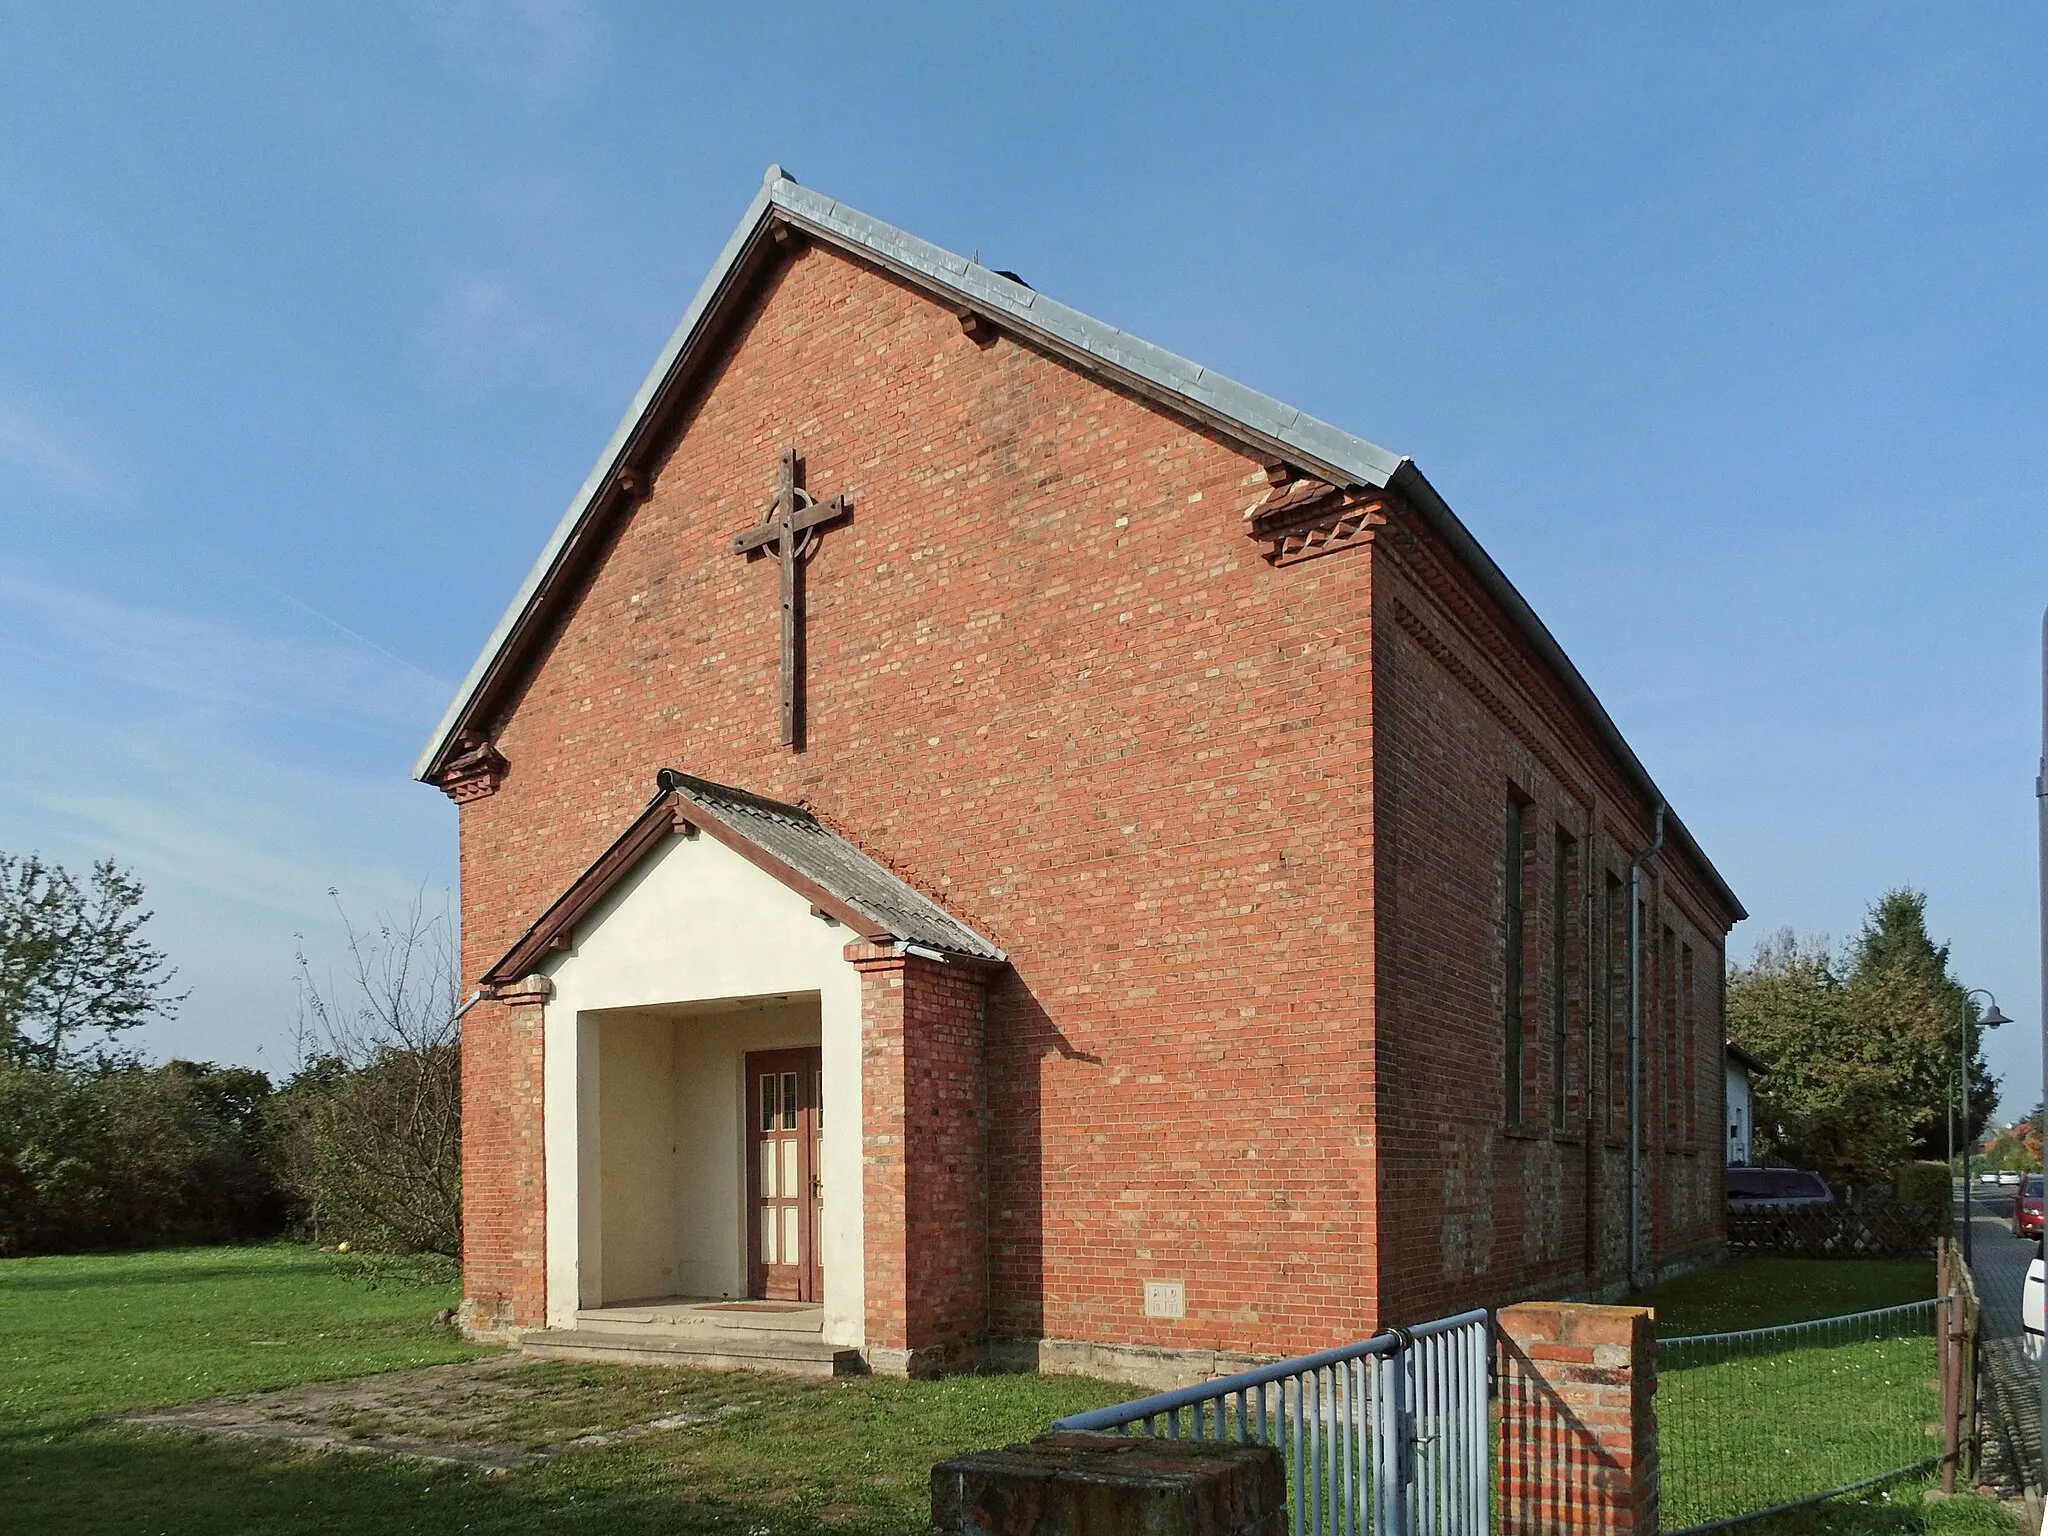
{"x":1963,"y":1094}
{"x":2041,"y":822}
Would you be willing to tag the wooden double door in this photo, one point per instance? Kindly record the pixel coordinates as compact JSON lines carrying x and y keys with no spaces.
{"x":785,"y":1173}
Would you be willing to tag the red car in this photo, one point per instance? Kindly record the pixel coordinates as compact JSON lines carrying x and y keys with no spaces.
{"x":2026,"y":1207}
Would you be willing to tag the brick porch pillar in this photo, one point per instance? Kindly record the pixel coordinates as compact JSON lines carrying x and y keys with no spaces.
{"x":1578,"y":1420}
{"x":504,"y":1171}
{"x":923,"y":1154}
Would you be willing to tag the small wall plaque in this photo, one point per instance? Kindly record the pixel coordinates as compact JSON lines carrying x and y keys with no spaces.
{"x":1165,"y":1298}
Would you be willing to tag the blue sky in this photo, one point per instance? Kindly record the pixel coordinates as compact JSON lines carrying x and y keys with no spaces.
{"x":1721,"y":326}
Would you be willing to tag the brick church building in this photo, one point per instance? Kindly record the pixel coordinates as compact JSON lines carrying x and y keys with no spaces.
{"x":985,"y":840}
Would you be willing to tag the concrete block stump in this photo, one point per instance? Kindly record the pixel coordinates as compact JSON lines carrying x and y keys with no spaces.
{"x":1112,"y":1485}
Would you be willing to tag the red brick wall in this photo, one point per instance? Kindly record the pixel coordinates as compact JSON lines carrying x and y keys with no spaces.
{"x":1465,"y":718}
{"x":1051,"y":682}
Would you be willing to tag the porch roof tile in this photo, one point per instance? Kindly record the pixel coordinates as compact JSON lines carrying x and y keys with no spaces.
{"x":788,"y":842}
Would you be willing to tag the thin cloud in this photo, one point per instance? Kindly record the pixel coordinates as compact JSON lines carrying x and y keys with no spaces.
{"x":204,"y":661}
{"x":237,"y":842}
{"x":487,"y":334}
{"x":52,"y":456}
{"x":542,"y":52}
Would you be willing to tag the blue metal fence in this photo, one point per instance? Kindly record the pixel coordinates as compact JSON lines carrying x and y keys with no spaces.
{"x":1388,"y":1437}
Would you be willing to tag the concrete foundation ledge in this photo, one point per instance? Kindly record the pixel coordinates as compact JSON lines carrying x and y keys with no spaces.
{"x":1161,"y":1370}
{"x":1114,"y":1485}
{"x":489,"y":1321}
{"x":923,"y":1362}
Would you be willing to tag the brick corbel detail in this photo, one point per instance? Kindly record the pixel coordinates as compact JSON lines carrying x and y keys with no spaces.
{"x":1300,"y":517}
{"x":476,"y":773}
{"x":1578,"y":1420}
{"x":525,"y":993}
{"x":923,"y":1149}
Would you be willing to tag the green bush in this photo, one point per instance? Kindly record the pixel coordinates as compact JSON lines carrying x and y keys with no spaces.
{"x":133,"y":1157}
{"x":372,"y":1155}
{"x":1924,"y":1187}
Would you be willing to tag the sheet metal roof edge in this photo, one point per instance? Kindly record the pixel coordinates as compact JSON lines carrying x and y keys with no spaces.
{"x":1325,"y":448}
{"x":1753,"y":1063}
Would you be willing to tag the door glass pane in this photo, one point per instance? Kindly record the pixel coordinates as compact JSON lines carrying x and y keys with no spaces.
{"x":792,"y":1253}
{"x":768,"y":1228}
{"x":818,"y":1099}
{"x":787,"y":1187}
{"x":818,"y":1168}
{"x":767,"y":1170}
{"x":768,"y":1101}
{"x":788,"y":1101}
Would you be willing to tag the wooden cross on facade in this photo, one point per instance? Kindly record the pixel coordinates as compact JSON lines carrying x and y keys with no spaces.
{"x":791,"y":528}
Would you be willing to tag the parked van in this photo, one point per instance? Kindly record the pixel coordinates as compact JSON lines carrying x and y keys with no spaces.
{"x":1776,"y":1189}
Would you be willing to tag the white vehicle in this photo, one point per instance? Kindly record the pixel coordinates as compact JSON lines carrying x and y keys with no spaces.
{"x":2031,"y":1309}
{"x":2010,"y":1176}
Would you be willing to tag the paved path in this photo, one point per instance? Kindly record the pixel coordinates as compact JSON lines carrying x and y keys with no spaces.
{"x":2012,"y":1393}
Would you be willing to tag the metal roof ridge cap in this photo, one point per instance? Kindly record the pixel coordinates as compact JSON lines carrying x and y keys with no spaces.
{"x":607,"y":462}
{"x":1038,"y":311}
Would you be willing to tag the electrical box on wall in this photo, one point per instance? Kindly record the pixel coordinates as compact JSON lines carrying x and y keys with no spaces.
{"x":1165,"y":1298}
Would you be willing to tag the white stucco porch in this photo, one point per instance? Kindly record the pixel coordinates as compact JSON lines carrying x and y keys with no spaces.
{"x":693,"y":959}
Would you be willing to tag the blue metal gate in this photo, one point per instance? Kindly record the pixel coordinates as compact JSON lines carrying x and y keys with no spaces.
{"x":1384,"y":1438}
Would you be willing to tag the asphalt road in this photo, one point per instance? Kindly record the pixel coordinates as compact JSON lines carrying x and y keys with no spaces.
{"x":2012,"y":1450}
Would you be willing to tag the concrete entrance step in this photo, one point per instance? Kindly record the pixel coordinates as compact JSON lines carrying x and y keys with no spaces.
{"x":797,"y":1319}
{"x":739,"y":1349}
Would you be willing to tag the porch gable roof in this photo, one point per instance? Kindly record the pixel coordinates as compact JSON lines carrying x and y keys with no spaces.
{"x":787,"y":842}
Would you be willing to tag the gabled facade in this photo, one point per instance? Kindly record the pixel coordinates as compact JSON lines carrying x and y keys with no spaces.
{"x":1202,"y":884}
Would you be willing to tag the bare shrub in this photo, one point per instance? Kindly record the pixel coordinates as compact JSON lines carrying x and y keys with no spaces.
{"x":368,"y":1132}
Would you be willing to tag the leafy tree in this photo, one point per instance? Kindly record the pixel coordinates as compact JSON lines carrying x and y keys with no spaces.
{"x":133,"y":1157}
{"x":2017,"y":1146}
{"x":1861,"y":1046}
{"x":76,"y":969}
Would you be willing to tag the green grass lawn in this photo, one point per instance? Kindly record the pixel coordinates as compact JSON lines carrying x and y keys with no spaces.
{"x":1748,"y":1427}
{"x":83,"y":1337}
{"x":1761,"y":1293}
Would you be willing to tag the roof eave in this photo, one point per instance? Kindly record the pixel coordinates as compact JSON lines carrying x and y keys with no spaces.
{"x":669,"y":813}
{"x":1413,"y":487}
{"x":669,"y":367}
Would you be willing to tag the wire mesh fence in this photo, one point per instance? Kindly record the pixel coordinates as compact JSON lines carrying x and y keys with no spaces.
{"x":1762,"y":1420}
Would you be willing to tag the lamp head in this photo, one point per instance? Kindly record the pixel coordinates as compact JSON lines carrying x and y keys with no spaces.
{"x":1993,"y":1017}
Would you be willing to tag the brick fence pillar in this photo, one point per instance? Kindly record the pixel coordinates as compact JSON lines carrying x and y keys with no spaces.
{"x":1064,"y":1483}
{"x":1578,"y":1419}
